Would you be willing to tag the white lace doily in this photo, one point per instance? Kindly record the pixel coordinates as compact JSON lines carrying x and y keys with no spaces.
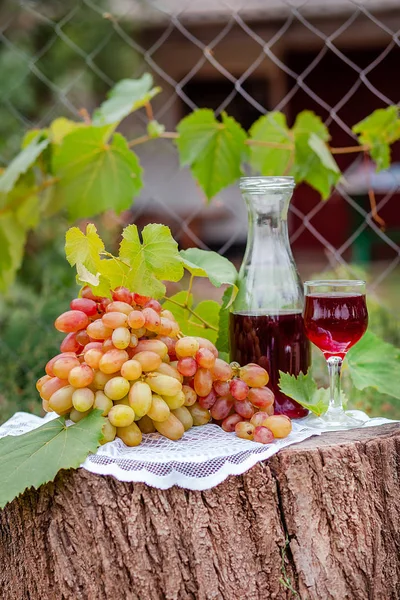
{"x":202,"y":459}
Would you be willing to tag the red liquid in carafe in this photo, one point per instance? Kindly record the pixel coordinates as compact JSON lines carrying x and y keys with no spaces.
{"x":277,"y":343}
{"x":335,"y":322}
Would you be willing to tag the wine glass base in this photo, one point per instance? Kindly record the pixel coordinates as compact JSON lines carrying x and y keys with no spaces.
{"x":336,"y":419}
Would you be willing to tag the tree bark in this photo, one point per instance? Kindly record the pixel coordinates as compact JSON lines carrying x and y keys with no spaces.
{"x":318,"y":521}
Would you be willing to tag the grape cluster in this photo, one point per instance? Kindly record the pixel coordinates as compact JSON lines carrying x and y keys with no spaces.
{"x":127,"y":357}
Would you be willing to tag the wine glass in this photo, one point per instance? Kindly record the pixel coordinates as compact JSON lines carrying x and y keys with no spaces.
{"x":335,"y":318}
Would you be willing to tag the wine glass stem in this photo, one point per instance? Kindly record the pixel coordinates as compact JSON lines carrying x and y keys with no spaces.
{"x":334,"y":368}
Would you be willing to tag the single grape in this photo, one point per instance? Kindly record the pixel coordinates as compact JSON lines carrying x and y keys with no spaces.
{"x":244,"y":408}
{"x":122,"y":307}
{"x":230,"y":422}
{"x":209,"y":400}
{"x":169,"y":342}
{"x":112,"y":361}
{"x":102,"y":402}
{"x":136,"y":319}
{"x":82,"y":337}
{"x":121,"y":338}
{"x":254,"y":375}
{"x":98,"y":331}
{"x":167,"y":314}
{"x":262,"y":435}
{"x":108,"y":432}
{"x":141,"y":332}
{"x":154,"y":304}
{"x":61,"y":400}
{"x":187,"y":366}
{"x":70,"y":343}
{"x":154,"y":345}
{"x":121,"y":415}
{"x":184,"y":416}
{"x":146,"y":425}
{"x":159,"y":410}
{"x":86,"y":292}
{"x":261,"y":397}
{"x":190,"y":395}
{"x":175,"y":401}
{"x":205,"y":358}
{"x":280,"y":425}
{"x":244,"y":430}
{"x":203,"y":382}
{"x":77,"y":416}
{"x":117,"y":388}
{"x":141,"y":300}
{"x":163,"y":384}
{"x":63,"y":366}
{"x":130,"y":435}
{"x":152,"y":320}
{"x":204,"y":343}
{"x":140,"y":398}
{"x":221,"y":388}
{"x":113,"y":320}
{"x":104,"y":302}
{"x":167,"y":369}
{"x":221,"y":370}
{"x":89,"y":307}
{"x":51,"y":386}
{"x":186,"y":347}
{"x":92,"y":358}
{"x":122,"y":294}
{"x":222,"y":407}
{"x":51,"y":362}
{"x":108,"y":345}
{"x":166,"y":326}
{"x":171,"y":428}
{"x":41,"y":381}
{"x":71,"y":321}
{"x":100,"y":379}
{"x":200,"y":415}
{"x":133,"y":341}
{"x":258,"y":418}
{"x":131,"y":370}
{"x":150,"y":361}
{"x":81,"y":376}
{"x":93,"y":346}
{"x":45,"y":406}
{"x":83,"y":399}
{"x":238,"y":389}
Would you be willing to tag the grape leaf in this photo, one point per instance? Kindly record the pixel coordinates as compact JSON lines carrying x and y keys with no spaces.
{"x":375,"y":363}
{"x":378,"y":131}
{"x":180,"y":313}
{"x":96,"y":175}
{"x":34,"y":458}
{"x":189,"y":324}
{"x":84,"y":249}
{"x":12,"y":243}
{"x":222,"y":342}
{"x":212,"y":149}
{"x":304,"y":390}
{"x":218,"y":269}
{"x":124,"y":98}
{"x":313,"y":160}
{"x":61,"y":127}
{"x":269,"y":160}
{"x":157,"y":258}
{"x":22,"y":162}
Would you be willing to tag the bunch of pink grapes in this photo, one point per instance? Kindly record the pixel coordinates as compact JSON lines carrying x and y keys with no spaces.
{"x":126,"y":357}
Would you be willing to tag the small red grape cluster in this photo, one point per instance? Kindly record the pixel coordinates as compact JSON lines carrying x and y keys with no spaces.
{"x":127,"y":357}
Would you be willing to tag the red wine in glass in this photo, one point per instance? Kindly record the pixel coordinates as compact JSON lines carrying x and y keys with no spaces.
{"x":334,"y":322}
{"x":275,"y":342}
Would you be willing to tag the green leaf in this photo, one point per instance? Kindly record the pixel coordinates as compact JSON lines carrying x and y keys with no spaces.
{"x":96,"y":175}
{"x":157,"y":258}
{"x":378,"y":131}
{"x":222,"y":342}
{"x":35,"y":458}
{"x":375,"y":363}
{"x":180,"y":313}
{"x":125,"y":97}
{"x":12,"y":243}
{"x":304,"y":390}
{"x":313,"y":160}
{"x":28,"y":212}
{"x":21,"y":163}
{"x":189,"y":324}
{"x":212,"y":149}
{"x":84,"y":249}
{"x":218,"y":269}
{"x":61,"y":127}
{"x":269,"y":160}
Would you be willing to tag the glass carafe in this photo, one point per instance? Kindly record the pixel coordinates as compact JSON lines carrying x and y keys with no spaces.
{"x":266,"y":323}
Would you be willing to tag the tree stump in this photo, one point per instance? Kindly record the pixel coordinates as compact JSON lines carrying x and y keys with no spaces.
{"x":318,"y":521}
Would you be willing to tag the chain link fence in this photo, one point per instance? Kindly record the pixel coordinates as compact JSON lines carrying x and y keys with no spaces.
{"x":247,"y":57}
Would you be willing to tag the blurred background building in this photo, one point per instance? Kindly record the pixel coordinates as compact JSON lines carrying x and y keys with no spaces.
{"x":338,"y":58}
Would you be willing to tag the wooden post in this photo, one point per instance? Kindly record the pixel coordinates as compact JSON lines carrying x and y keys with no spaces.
{"x":318,"y":521}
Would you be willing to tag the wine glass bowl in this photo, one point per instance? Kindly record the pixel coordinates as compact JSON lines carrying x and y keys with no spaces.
{"x":335,"y":318}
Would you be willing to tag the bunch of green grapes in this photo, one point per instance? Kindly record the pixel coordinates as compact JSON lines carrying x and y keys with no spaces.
{"x":127,"y":358}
